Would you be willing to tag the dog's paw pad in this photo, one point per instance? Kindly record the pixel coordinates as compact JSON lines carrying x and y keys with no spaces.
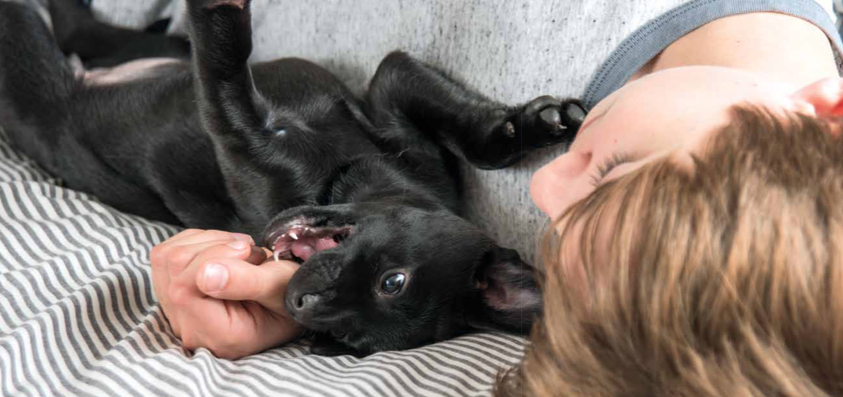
{"x":548,"y":121}
{"x":544,"y":115}
{"x":552,"y":120}
{"x":508,"y":133}
{"x":575,"y":112}
{"x":542,"y":121}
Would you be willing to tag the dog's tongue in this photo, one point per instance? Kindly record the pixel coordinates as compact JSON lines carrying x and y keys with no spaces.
{"x":304,"y":247}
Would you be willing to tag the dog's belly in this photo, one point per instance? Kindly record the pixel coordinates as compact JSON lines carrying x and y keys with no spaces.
{"x":127,"y":72}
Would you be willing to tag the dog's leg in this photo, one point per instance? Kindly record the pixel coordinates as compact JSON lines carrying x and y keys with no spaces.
{"x":36,"y":83}
{"x":486,"y":133}
{"x":232,"y":111}
{"x":47,"y":113}
{"x":102,"y":45}
{"x":222,"y":36}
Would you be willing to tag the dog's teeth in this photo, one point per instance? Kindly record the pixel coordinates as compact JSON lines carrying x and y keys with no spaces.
{"x":277,"y":255}
{"x":294,"y":236}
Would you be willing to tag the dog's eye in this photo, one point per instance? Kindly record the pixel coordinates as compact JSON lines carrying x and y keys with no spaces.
{"x":393,"y":284}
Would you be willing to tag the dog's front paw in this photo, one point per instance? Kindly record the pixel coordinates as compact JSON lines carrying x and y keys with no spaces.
{"x":221,"y":33}
{"x":545,"y":121}
{"x":514,"y":132}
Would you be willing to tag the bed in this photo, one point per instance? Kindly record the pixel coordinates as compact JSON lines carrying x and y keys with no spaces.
{"x":77,"y":312}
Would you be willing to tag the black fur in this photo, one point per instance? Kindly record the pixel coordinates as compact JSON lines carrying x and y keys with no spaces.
{"x":200,"y":144}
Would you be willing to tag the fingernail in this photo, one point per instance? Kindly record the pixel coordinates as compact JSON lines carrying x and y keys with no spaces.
{"x":243,"y":237}
{"x":238,"y":245}
{"x":215,"y":277}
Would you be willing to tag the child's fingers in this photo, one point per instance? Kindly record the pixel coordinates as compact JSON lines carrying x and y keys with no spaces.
{"x":233,"y":279}
{"x":179,"y":258}
{"x":192,"y":237}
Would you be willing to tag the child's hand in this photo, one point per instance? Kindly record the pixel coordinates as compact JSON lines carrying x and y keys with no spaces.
{"x":218,"y":293}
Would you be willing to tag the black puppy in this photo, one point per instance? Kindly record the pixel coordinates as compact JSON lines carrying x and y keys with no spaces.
{"x":364,"y":193}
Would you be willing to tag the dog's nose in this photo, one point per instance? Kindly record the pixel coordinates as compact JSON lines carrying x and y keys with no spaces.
{"x":306,"y":302}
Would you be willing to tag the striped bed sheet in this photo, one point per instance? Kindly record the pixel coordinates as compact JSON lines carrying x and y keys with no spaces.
{"x":78,"y":317}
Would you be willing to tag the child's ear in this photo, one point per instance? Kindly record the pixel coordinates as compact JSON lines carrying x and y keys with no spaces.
{"x":822,"y":99}
{"x":509,"y":298}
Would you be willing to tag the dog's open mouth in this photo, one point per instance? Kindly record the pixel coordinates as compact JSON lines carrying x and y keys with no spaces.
{"x":298,"y":242}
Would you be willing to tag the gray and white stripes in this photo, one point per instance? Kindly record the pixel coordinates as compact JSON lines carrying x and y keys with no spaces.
{"x":78,"y":317}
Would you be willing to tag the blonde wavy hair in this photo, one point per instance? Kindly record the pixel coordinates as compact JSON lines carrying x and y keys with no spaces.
{"x":723,"y":278}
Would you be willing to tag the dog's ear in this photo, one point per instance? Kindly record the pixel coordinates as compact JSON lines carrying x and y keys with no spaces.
{"x":508,"y":296}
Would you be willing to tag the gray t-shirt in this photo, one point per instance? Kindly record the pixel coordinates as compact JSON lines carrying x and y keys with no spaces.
{"x":653,"y":37}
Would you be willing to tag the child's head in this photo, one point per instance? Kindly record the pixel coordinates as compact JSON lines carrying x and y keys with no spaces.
{"x":712,"y":269}
{"x":668,"y":113}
